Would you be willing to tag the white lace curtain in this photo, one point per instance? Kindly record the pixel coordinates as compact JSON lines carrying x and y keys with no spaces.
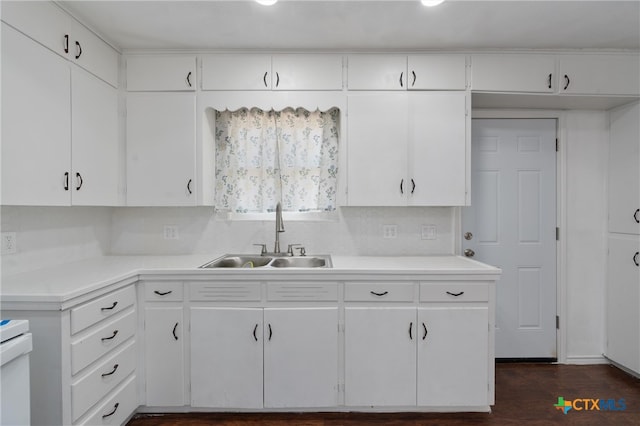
{"x":263,"y":157}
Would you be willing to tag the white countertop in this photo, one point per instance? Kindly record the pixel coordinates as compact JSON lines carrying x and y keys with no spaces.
{"x":70,"y":282}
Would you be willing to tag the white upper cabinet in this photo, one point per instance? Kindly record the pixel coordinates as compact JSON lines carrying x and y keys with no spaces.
{"x":377,"y":72}
{"x":624,"y":170}
{"x":49,"y":25}
{"x":306,"y":72}
{"x":266,"y":72}
{"x":72,"y":155}
{"x":36,"y":123}
{"x":513,"y":73}
{"x":161,"y":144}
{"x":600,"y":74}
{"x":436,"y":72}
{"x":407,"y":149}
{"x":161,"y":73}
{"x":399,"y":72}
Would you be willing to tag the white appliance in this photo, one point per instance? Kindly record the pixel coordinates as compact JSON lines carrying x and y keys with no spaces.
{"x":15,"y":346}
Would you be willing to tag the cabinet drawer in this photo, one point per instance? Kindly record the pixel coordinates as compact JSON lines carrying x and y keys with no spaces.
{"x":454,"y":292}
{"x":312,"y":291}
{"x":226,"y":291}
{"x":92,"y":312}
{"x":91,"y":347}
{"x":160,"y":291}
{"x":106,"y":376}
{"x":382,"y":292}
{"x":117,"y":407}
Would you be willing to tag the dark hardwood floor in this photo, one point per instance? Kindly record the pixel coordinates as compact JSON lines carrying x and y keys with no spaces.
{"x":525,"y":395}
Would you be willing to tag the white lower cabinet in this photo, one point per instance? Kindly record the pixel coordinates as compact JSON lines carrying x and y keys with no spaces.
{"x":453,"y":343}
{"x":164,"y":355}
{"x":380,"y":356}
{"x":273,"y":357}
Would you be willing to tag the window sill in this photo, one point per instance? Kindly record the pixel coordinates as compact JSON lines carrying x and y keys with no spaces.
{"x":286,"y":216}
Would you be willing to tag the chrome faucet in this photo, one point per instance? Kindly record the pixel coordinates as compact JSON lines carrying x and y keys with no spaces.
{"x":279,"y":227}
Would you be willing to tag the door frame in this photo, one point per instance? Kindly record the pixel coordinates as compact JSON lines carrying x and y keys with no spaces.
{"x":561,"y":209}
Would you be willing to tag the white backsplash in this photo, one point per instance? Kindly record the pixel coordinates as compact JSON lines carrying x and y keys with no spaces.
{"x":356,"y":231}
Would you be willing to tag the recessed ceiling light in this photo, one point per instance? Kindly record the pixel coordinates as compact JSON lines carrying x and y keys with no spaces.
{"x":267,"y":2}
{"x":431,"y":3}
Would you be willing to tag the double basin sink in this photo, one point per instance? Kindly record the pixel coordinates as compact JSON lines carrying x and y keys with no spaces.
{"x":284,"y":261}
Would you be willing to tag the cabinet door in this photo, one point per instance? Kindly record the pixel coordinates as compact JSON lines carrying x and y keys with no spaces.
{"x":36,"y":123}
{"x":301,"y":357}
{"x":437,"y":149}
{"x":436,"y":72}
{"x":95,"y":154}
{"x":307,"y":72}
{"x":380,"y":356}
{"x":624,"y":170}
{"x":377,"y":149}
{"x":453,"y":350}
{"x":43,"y":21}
{"x":161,"y":73}
{"x":600,"y":74}
{"x":377,"y":72}
{"x":164,"y":356}
{"x":513,"y":73}
{"x":226,"y":357}
{"x":236,"y":72}
{"x":161,"y":149}
{"x":93,"y":54}
{"x":623,"y":301}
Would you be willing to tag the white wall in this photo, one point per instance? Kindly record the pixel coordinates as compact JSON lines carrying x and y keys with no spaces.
{"x":356,"y":231}
{"x":47,"y":236}
{"x":586,"y":140}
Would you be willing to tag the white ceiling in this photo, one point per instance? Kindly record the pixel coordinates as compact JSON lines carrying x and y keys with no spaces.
{"x":363,"y":25}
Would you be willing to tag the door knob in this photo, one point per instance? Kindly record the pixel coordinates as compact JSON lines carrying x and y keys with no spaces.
{"x":469,"y":252}
{"x":468,"y":236}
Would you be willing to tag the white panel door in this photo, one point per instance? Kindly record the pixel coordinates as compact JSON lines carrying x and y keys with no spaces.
{"x":623,"y":301}
{"x":380,"y":356}
{"x":161,"y":162}
{"x":624,"y":170}
{"x":453,"y":343}
{"x":300,"y":357}
{"x":36,"y":123}
{"x":236,"y":72}
{"x":437,"y":148}
{"x":164,"y":356}
{"x":512,"y":221}
{"x":93,"y":54}
{"x":513,"y":73}
{"x":377,"y":134}
{"x":95,"y":154}
{"x":226,"y":357}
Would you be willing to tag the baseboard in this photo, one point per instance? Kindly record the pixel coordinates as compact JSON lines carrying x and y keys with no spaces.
{"x":586,"y":360}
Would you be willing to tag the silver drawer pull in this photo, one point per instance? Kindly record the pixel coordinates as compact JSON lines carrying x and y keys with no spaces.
{"x":379,"y":294}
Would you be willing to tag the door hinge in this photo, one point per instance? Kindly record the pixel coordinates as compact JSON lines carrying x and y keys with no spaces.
{"x":557,"y":322}
{"x":557,"y":234}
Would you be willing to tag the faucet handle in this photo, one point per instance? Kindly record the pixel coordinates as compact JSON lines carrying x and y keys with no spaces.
{"x":263,"y":249}
{"x":290,"y":248}
{"x":303,"y":251}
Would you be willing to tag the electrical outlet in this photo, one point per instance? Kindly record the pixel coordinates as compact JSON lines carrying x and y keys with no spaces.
{"x":390,"y":231}
{"x":429,"y":232}
{"x":171,"y":232}
{"x":9,"y":243}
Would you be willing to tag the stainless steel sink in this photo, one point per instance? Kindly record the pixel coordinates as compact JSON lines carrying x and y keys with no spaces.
{"x":254,"y":261}
{"x":299,"y":262}
{"x":239,"y":261}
